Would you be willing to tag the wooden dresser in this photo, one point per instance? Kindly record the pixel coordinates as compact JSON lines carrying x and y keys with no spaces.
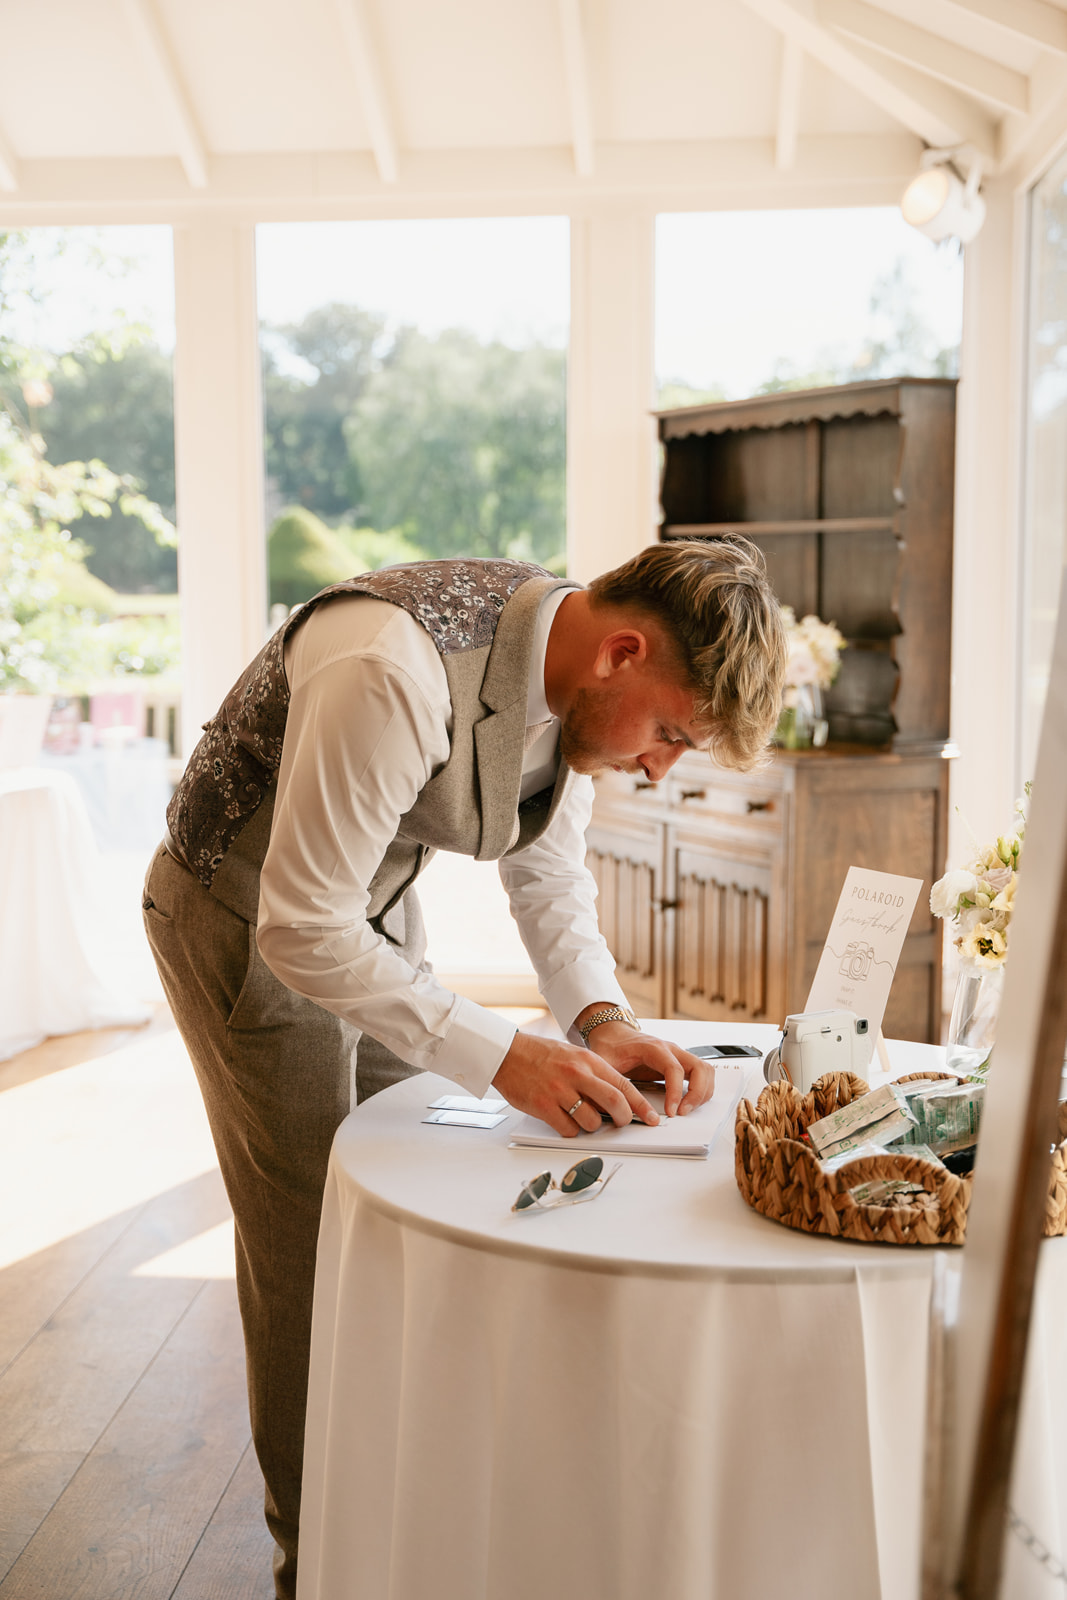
{"x":717,"y":888}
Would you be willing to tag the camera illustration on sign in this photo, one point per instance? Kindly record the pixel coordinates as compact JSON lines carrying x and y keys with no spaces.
{"x":856,"y":961}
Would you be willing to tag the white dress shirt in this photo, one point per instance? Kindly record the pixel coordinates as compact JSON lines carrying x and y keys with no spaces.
{"x":369,"y":723}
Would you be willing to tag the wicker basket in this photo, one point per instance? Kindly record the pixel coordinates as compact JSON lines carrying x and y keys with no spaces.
{"x":781,"y":1177}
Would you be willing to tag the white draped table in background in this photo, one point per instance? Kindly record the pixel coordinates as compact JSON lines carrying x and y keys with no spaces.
{"x":659,"y":1394}
{"x":124,"y":787}
{"x":50,"y":981}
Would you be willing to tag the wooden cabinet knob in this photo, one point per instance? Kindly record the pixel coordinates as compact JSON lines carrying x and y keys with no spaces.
{"x":642,"y":784}
{"x":692,"y":794}
{"x":759,"y":805}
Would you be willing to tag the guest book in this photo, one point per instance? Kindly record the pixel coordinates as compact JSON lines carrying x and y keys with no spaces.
{"x":691,"y":1137}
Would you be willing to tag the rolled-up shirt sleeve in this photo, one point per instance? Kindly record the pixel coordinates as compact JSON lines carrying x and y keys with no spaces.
{"x":364,"y":733}
{"x":552,"y":896}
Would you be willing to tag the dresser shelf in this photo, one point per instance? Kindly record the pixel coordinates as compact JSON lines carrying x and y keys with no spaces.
{"x":754,"y":530}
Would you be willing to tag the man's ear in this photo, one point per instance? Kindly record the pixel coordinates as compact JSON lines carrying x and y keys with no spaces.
{"x":620,"y":651}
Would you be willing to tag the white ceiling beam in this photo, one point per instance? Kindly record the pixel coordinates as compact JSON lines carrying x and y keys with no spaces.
{"x":1025,"y":142}
{"x":576,"y":68}
{"x":952,"y":63}
{"x":690,"y":175}
{"x":370,"y":85}
{"x":788,"y":126}
{"x":935,"y":111}
{"x":9,"y":165}
{"x":163,"y":71}
{"x":1036,"y":21}
{"x":959,"y":114}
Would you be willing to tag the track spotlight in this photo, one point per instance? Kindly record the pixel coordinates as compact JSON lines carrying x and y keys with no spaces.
{"x":939,"y":202}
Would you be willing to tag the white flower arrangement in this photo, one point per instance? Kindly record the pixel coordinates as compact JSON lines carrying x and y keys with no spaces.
{"x":980,"y":897}
{"x":814,"y":652}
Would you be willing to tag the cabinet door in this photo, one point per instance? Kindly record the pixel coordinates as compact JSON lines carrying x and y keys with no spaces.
{"x":625,"y":857}
{"x":888,"y":813}
{"x":722,"y":962}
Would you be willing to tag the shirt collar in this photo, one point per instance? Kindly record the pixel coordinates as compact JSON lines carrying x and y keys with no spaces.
{"x":536,"y":700}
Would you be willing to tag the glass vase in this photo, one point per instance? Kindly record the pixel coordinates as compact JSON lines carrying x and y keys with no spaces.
{"x":801,"y":724}
{"x":973,"y":1024}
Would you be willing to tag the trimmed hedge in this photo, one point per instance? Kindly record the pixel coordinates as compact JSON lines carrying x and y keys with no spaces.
{"x":303,"y":556}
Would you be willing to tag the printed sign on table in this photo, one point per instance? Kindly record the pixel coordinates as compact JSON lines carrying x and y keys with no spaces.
{"x":859,"y":958}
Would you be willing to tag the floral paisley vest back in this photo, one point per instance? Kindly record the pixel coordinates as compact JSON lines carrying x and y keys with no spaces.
{"x":481,"y":616}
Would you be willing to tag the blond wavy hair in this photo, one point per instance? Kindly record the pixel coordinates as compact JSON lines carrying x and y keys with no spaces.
{"x":715,"y":605}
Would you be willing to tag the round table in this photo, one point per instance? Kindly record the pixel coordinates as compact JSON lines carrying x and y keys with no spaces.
{"x":124,"y":787}
{"x":657,"y":1394}
{"x":50,"y":978}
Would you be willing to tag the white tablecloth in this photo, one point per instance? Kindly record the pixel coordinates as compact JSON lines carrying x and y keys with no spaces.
{"x":660,"y":1394}
{"x":49,"y":865}
{"x":125,"y":790}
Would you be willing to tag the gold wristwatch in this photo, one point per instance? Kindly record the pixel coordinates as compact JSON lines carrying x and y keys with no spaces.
{"x":608,"y":1014}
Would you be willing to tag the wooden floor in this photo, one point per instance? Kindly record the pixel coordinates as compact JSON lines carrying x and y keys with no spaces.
{"x":125,"y":1464}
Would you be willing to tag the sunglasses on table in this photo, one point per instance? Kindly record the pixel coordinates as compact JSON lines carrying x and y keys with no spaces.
{"x":585,"y":1180}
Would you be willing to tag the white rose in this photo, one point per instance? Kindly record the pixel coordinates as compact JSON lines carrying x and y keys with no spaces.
{"x":945,"y":895}
{"x":802,"y":667}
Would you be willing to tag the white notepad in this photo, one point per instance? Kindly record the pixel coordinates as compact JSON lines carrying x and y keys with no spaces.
{"x":690,"y":1137}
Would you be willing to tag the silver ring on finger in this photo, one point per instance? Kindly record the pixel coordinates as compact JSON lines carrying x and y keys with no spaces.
{"x":575,"y":1106}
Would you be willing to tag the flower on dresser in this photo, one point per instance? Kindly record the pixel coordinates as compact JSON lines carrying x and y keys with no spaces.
{"x":980,"y":897}
{"x":814,"y":651}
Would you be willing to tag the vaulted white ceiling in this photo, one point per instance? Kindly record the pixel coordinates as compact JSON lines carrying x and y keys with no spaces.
{"x":385,"y":102}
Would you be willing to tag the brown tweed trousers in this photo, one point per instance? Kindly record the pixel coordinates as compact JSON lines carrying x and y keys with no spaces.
{"x":279,"y":1073}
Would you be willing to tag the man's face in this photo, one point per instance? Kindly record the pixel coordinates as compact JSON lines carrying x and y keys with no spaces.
{"x":640,"y":726}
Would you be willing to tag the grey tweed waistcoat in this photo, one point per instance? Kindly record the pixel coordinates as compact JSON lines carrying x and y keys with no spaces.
{"x":481,"y":616}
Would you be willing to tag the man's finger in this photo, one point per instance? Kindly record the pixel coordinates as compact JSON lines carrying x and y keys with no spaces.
{"x":586,"y":1115}
{"x":636,"y":1104}
{"x":558,"y":1120}
{"x":701,"y":1075}
{"x":603,"y":1096}
{"x":664,"y":1064}
{"x":674,"y":1080}
{"x":620,"y":1098}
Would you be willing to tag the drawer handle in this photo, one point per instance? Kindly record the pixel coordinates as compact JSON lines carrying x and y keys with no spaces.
{"x":666,"y":905}
{"x":759,"y":805}
{"x":692,"y":794}
{"x":641,"y":784}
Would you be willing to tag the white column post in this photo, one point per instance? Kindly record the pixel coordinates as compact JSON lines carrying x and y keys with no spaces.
{"x":612,"y":482}
{"x":987,"y":526}
{"x":218,"y":437}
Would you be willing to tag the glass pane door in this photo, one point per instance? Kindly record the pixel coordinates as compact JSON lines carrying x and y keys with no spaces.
{"x":1045,"y":527}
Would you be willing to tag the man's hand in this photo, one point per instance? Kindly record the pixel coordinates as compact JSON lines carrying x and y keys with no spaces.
{"x":650,"y":1060}
{"x":567,"y":1087}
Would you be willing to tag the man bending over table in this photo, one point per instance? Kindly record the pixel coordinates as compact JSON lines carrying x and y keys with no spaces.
{"x":456,"y":705}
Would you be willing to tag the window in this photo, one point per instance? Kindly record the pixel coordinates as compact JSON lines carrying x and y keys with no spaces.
{"x":749,"y":302}
{"x":414,"y":394}
{"x":414,"y":378}
{"x":1045,"y":517}
{"x":88,"y":552}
